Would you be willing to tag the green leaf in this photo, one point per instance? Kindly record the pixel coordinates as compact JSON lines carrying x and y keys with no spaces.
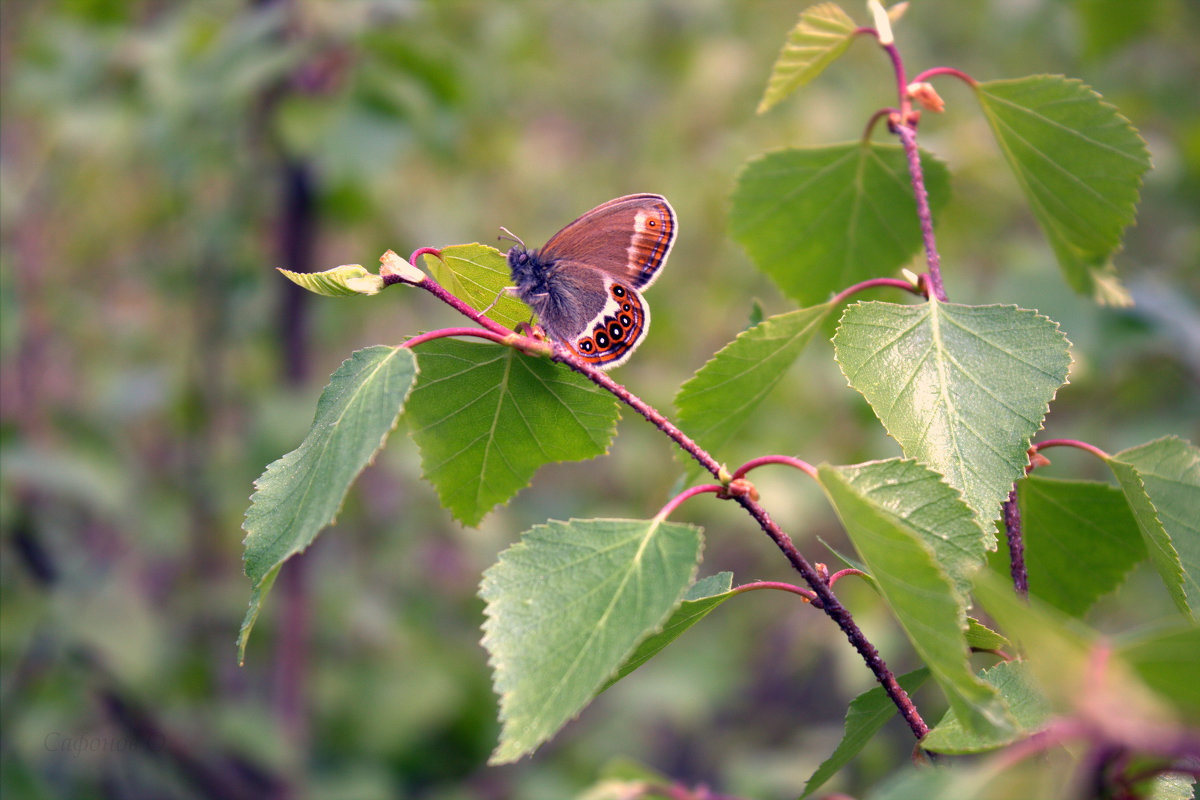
{"x":919,"y":593}
{"x":1080,"y":164}
{"x":347,"y":280}
{"x":915,"y":496}
{"x":1080,"y":541}
{"x":1165,"y":658}
{"x":302,"y":492}
{"x":1026,"y":704}
{"x":961,"y":388}
{"x":1163,"y":555}
{"x":719,"y":398}
{"x":1170,"y":472}
{"x":487,"y":417}
{"x":820,"y":37}
{"x":981,"y":637}
{"x":567,"y":606}
{"x":865,"y":715}
{"x":703,"y":597}
{"x":478,"y":274}
{"x":817,"y":220}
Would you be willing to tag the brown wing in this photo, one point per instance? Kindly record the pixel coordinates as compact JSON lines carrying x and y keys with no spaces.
{"x":611,"y":337}
{"x":628,"y":238}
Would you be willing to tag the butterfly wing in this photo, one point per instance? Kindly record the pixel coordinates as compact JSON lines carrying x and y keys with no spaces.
{"x":628,"y":238}
{"x":616,"y":331}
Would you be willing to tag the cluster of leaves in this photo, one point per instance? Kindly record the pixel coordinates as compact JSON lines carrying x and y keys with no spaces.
{"x":575,"y":606}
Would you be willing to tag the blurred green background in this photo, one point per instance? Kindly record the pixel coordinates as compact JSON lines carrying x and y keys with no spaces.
{"x":159,"y":160}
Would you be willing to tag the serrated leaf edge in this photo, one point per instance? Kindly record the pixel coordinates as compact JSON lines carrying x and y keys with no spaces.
{"x":1027,"y":441}
{"x":496,"y":663}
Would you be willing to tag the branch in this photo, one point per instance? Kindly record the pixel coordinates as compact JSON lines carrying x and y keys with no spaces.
{"x":824,"y":595}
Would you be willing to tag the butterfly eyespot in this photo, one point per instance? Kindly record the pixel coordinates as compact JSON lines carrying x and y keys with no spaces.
{"x":616,"y":331}
{"x":651,"y":223}
{"x":618,"y":291}
{"x":601,"y":339}
{"x":586,"y":346}
{"x":626,"y":308}
{"x":625,"y":320}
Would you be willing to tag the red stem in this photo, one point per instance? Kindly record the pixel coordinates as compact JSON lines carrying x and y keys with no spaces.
{"x":901,"y":81}
{"x":842,"y":573}
{"x":679,"y":499}
{"x":935,"y":71}
{"x":1016,"y":545}
{"x":895,"y":283}
{"x":790,"y":461}
{"x":778,"y":585}
{"x":908,"y":137}
{"x":1090,"y":448}
{"x":526,"y":343}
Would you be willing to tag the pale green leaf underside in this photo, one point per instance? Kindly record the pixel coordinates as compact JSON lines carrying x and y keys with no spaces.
{"x":981,"y":637}
{"x":1169,"y":469}
{"x":1080,"y":541}
{"x":478,"y":274}
{"x":486,"y":417}
{"x":1080,"y":164}
{"x":920,"y":595}
{"x":865,"y":715}
{"x":918,"y":497}
{"x":1025,"y":703}
{"x":817,"y":220}
{"x":347,"y":280}
{"x":820,"y":37}
{"x":567,"y":606}
{"x":715,"y":403}
{"x":301,"y":493}
{"x":961,"y":388}
{"x":703,"y":597}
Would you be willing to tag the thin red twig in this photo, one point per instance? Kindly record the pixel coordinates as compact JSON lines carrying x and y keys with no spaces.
{"x":678,"y":500}
{"x":936,"y":71}
{"x":1090,"y":448}
{"x":790,"y":461}
{"x":895,"y":283}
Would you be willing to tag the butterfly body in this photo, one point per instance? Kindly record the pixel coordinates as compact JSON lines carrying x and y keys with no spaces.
{"x":584,"y":285}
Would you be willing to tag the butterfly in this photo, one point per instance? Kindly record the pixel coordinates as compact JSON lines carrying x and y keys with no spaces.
{"x":585,"y":284}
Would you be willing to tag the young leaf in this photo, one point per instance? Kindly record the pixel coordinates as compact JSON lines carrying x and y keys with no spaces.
{"x":919,"y":593}
{"x":347,"y":280}
{"x":918,"y":497}
{"x":1080,"y":164}
{"x":487,"y":417}
{"x":567,"y":606}
{"x":981,"y":637}
{"x":478,"y":274}
{"x":1170,"y":472}
{"x":865,"y":715}
{"x":961,"y":388}
{"x":719,"y":398}
{"x":1080,"y":541}
{"x":819,"y":38}
{"x":301,"y":493}
{"x":1026,"y":704}
{"x":703,"y":597}
{"x":817,"y":220}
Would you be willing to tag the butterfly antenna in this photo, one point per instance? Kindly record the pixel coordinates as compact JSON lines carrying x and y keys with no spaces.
{"x":511,"y":236}
{"x":506,"y":290}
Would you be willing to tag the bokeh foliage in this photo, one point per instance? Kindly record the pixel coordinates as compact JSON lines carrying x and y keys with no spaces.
{"x":158,"y":161}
